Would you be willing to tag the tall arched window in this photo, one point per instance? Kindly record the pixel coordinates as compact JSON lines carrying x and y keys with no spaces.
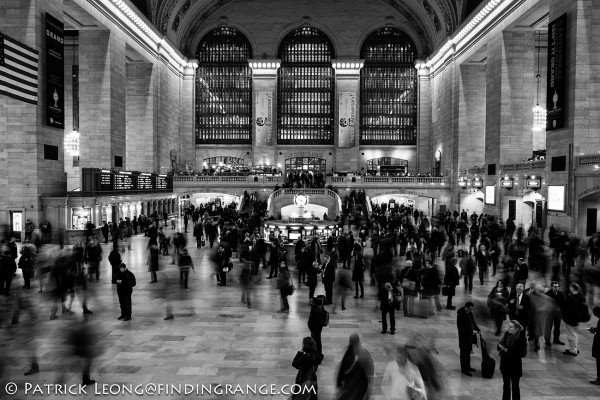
{"x":388,"y":89}
{"x":224,"y":88}
{"x":305,"y":88}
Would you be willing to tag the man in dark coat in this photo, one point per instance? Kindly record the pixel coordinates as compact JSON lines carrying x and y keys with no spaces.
{"x":519,"y":306}
{"x":467,"y":328}
{"x":451,"y":281}
{"x":125,"y":285}
{"x":596,"y":346}
{"x":554,"y":320}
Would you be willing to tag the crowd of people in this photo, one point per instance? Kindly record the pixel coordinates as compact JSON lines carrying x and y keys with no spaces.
{"x":410,"y":259}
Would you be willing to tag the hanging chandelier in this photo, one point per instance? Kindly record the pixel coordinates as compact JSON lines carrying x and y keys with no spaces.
{"x":72,"y":143}
{"x":539,"y":113}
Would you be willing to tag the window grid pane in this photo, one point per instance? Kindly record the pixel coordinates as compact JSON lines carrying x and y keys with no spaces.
{"x":223,"y":89}
{"x":388,"y":89}
{"x":305,"y":89}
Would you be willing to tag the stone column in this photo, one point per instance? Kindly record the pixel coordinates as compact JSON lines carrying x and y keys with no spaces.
{"x":424,"y":152}
{"x":347,"y":85}
{"x":26,"y":174}
{"x":102,"y":97}
{"x":264,"y":86}
{"x":141,"y":115}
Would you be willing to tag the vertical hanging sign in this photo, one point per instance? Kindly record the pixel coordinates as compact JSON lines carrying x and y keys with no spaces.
{"x":557,"y":55}
{"x":347,"y":110}
{"x":55,"y":74}
{"x":264,"y":112}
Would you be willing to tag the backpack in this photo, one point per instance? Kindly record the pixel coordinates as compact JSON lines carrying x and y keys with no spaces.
{"x":325,"y":317}
{"x":584,"y":314}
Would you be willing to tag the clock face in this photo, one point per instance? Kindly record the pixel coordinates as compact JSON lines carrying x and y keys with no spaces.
{"x":301,"y":200}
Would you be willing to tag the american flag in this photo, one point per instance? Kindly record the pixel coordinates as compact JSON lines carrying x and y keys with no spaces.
{"x":18,"y":70}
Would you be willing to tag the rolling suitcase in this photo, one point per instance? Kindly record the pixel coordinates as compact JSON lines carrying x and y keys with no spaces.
{"x":423,"y":307}
{"x":488,"y":364}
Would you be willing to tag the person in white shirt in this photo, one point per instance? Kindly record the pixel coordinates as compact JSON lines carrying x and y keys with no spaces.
{"x":402,"y":379}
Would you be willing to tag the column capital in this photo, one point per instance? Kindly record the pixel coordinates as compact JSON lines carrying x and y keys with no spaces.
{"x":190,"y":68}
{"x":422,"y":68}
{"x":266,"y":67}
{"x":347,"y":66}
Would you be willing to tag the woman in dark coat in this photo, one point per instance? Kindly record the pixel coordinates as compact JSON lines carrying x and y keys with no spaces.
{"x":512,"y":348}
{"x":153,"y":255}
{"x":596,"y":345}
{"x":451,"y":281}
{"x":355,"y":373}
{"x":306,"y":362}
{"x":497,"y":302}
{"x":358,"y":274}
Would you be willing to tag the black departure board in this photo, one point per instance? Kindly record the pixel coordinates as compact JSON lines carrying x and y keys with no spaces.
{"x":162,"y":182}
{"x":124,"y":182}
{"x":145,"y":182}
{"x":100,"y":181}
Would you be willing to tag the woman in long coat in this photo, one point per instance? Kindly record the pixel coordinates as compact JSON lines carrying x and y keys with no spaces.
{"x":512,"y":348}
{"x":355,"y":373}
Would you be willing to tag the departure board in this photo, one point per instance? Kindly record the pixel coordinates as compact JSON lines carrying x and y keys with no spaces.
{"x":162,"y":182}
{"x":102,"y":181}
{"x":123,"y":182}
{"x":144,"y":182}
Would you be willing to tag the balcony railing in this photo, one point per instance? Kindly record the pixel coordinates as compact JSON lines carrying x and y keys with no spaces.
{"x":524,"y":166}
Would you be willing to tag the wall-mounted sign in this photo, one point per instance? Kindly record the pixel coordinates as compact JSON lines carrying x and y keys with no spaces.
{"x":490,"y":194}
{"x":534,"y":183}
{"x":462,"y":183}
{"x":557,"y":73}
{"x":477,"y":183}
{"x":55,"y":73}
{"x":556,"y":197}
{"x":264,"y":116}
{"x":347,"y":111}
{"x":506,"y":183}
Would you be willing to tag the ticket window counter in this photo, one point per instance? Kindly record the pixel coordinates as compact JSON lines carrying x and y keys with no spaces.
{"x":80,"y":217}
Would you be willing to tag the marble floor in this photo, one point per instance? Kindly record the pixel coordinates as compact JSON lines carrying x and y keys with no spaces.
{"x":215,"y":339}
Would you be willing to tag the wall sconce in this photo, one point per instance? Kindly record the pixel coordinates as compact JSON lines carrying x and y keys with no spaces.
{"x":477,"y":183}
{"x":507,"y":182}
{"x":534,"y":182}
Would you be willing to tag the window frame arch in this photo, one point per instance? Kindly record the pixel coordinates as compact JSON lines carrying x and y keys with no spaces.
{"x":305,"y":88}
{"x":385,"y":118}
{"x":230,"y":76}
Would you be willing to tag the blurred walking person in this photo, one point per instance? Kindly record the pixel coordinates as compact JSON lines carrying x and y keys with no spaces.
{"x":355,"y":372}
{"x":402,"y":379}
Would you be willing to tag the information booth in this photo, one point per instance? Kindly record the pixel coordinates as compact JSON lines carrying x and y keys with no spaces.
{"x":292,"y":230}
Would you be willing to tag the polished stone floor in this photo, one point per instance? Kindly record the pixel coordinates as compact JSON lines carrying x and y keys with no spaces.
{"x":215,"y":339}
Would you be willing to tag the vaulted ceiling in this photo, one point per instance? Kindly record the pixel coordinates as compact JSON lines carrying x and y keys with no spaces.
{"x":182,"y":20}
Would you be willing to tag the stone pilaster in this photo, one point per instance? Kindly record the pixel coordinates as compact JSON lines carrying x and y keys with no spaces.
{"x":424,"y":152}
{"x":188,"y":117}
{"x":141,"y":139}
{"x":471,"y":116}
{"x":102,"y":97}
{"x":347,"y":83}
{"x":510,"y":94}
{"x":26,"y":174}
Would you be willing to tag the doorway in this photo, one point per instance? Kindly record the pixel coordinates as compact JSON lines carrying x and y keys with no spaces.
{"x":512,"y":210}
{"x":590,"y":226}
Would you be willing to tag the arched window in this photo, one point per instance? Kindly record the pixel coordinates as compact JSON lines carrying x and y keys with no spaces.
{"x":224,"y":88}
{"x":388,"y":89}
{"x":305,"y":88}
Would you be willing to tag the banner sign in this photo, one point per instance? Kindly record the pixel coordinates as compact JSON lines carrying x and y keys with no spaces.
{"x":347,"y":109}
{"x":55,"y":74}
{"x":555,"y":87}
{"x":264,"y":116}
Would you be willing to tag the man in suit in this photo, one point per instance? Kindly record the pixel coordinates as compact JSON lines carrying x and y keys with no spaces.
{"x":467,"y":328}
{"x":519,"y":306}
{"x":125,"y":285}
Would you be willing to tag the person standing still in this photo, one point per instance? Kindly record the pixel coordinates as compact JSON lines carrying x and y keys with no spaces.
{"x":185,"y":263}
{"x":467,"y":328}
{"x":125,"y":285}
{"x":596,"y":345}
{"x":512,"y":348}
